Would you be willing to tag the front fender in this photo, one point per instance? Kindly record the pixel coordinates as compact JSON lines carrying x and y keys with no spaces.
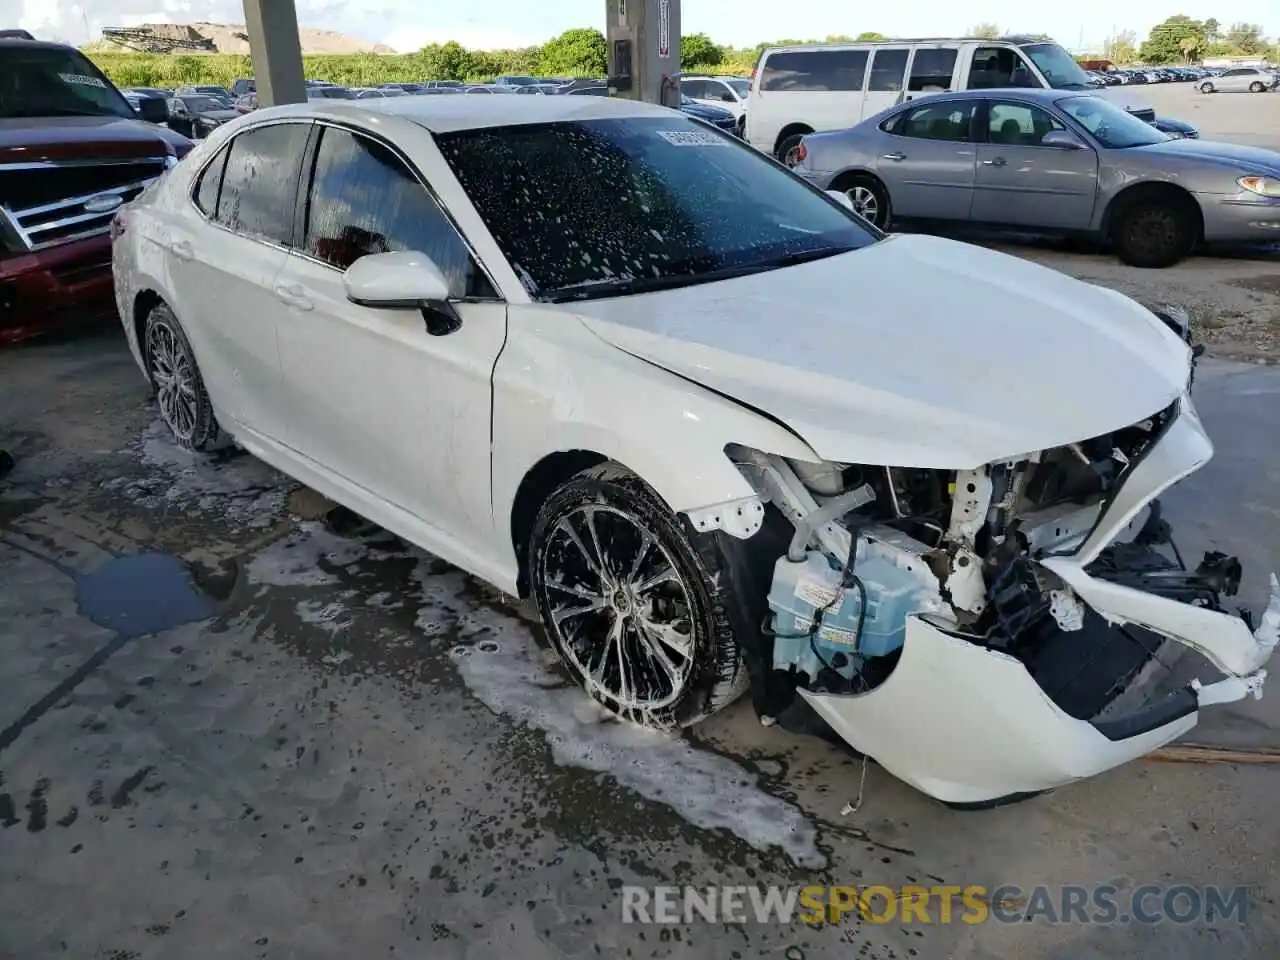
{"x":558,"y":388}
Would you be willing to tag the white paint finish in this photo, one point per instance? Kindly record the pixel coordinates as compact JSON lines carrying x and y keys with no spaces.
{"x":395,"y":279}
{"x":1222,"y":637}
{"x":983,"y":361}
{"x":926,"y":724}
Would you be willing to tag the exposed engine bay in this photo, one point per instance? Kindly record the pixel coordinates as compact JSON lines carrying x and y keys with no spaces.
{"x":1056,"y":568}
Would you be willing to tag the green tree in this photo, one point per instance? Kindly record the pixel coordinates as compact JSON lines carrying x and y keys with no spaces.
{"x":1123,"y":47}
{"x":1164,"y":44}
{"x":697,"y":48}
{"x":578,"y":51}
{"x":870,"y":37}
{"x":1246,"y":38}
{"x":1212,"y":30}
{"x":985,"y":31}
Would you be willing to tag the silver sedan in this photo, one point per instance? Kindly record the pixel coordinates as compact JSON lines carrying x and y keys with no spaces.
{"x":1049,"y":161}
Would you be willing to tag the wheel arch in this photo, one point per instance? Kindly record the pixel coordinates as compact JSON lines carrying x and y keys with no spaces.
{"x":144,"y":302}
{"x":540,"y":482}
{"x":790,"y":130}
{"x":845,"y":178}
{"x":1152,"y":189}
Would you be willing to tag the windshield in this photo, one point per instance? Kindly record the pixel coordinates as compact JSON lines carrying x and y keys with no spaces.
{"x":740,"y":87}
{"x":328,"y":93}
{"x":1058,"y":66}
{"x":1111,"y":126}
{"x":600,"y":208}
{"x":56,"y":82}
{"x":518,"y":81}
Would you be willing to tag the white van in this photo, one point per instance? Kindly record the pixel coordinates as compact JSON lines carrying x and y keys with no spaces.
{"x":798,"y":90}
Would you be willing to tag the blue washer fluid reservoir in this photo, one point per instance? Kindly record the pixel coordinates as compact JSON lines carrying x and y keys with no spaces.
{"x":800,"y":592}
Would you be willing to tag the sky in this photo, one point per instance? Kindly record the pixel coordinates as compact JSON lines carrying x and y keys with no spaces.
{"x":409,"y":24}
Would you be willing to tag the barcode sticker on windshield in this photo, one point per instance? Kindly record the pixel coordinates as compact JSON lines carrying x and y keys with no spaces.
{"x":80,"y":78}
{"x":693,"y":138}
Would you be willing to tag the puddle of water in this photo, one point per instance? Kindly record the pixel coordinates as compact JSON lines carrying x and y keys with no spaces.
{"x":503,"y":666}
{"x":140,"y":594}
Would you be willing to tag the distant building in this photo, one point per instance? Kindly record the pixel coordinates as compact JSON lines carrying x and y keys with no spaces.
{"x":1244,"y":61}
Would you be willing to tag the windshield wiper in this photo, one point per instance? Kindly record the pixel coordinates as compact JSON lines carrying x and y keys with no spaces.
{"x":623,"y":286}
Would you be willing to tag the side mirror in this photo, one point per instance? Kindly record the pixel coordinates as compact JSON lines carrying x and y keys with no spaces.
{"x":153,"y":110}
{"x":403,"y":280}
{"x":843,"y":199}
{"x":1062,"y":140}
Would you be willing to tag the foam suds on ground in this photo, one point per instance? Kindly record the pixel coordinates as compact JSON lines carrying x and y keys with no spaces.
{"x":241,"y":489}
{"x":505,"y":668}
{"x":294,"y":561}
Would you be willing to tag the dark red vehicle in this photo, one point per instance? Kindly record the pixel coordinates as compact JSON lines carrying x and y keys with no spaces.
{"x":72,"y":152}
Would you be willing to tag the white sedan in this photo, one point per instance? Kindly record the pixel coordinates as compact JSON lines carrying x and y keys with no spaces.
{"x":724,"y":432}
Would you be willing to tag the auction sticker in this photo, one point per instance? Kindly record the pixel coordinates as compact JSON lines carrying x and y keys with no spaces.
{"x":693,"y":138}
{"x":82,"y":80}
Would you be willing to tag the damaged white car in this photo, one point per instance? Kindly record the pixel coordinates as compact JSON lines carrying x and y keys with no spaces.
{"x":725,"y":433}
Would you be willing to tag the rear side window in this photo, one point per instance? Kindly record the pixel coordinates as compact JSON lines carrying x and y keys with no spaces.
{"x":260,"y":183}
{"x":210,"y":183}
{"x":363,"y":200}
{"x":888,"y":69}
{"x":694,"y":89}
{"x":932,"y":69}
{"x":938,"y":121}
{"x":815,"y":70}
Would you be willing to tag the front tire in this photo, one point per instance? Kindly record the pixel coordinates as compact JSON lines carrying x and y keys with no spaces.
{"x":184,"y":403}
{"x":1257,"y":87}
{"x":1155,"y":232}
{"x":633,"y":601}
{"x":1206,"y":88}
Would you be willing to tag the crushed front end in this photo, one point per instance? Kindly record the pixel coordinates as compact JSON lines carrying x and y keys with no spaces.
{"x":993,"y":633}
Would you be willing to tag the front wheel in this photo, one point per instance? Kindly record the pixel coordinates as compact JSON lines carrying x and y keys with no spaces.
{"x":1206,"y":88}
{"x":1257,"y":87}
{"x":1156,"y":232}
{"x":633,"y":602}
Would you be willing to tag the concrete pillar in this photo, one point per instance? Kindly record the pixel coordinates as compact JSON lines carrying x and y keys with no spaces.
{"x":643,"y":38}
{"x":276,"y":51}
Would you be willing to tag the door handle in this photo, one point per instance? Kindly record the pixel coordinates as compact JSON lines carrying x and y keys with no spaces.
{"x":183,"y":250}
{"x":897,"y":156}
{"x":996,"y":162}
{"x":293,"y":295}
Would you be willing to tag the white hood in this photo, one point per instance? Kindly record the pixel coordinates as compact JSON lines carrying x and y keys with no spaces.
{"x":913,"y":352}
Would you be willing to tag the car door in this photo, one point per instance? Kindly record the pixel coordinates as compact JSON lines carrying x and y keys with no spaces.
{"x":1019,"y":181}
{"x":933,"y":69}
{"x":887,"y":78}
{"x":374,"y":397}
{"x":928,"y":158}
{"x":223,"y":258}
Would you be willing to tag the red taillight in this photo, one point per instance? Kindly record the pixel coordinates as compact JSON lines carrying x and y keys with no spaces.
{"x":801,"y":152}
{"x":118,"y":226}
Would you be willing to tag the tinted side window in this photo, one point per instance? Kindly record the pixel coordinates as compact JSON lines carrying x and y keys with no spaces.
{"x":1019,"y":124}
{"x":938,"y":121}
{"x":888,"y":68}
{"x":206,"y":195}
{"x":261,"y":180}
{"x":932,"y":69}
{"x":694,"y":89}
{"x":364,"y":200}
{"x":995,"y":67}
{"x":815,"y":70}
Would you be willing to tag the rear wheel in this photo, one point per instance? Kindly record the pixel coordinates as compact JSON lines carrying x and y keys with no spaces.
{"x":788,"y":152}
{"x":1257,"y":87}
{"x":1155,"y":231}
{"x":184,"y":403}
{"x":870,"y":199}
{"x":633,"y":601}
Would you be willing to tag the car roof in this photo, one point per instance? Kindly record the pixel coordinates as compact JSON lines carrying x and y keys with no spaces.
{"x":1033,"y":94}
{"x":448,"y":114}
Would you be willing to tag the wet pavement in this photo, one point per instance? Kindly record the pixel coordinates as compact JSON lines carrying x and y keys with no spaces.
{"x":228,"y":729}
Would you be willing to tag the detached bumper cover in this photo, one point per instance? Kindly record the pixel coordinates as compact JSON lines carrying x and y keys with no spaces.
{"x":968,"y":724}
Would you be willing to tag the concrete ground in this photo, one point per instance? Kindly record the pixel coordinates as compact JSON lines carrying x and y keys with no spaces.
{"x":228,"y":731}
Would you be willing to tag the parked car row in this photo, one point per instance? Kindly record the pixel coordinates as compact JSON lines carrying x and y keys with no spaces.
{"x":939,"y":537}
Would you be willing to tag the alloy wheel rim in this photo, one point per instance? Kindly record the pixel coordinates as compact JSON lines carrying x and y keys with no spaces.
{"x":618,"y":607}
{"x":174,"y":377}
{"x":865,"y":203}
{"x":792,"y":157}
{"x":1154,"y":230}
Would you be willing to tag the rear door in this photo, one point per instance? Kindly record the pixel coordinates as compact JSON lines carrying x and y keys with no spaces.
{"x":928,"y":158}
{"x":375,"y":397}
{"x":887,"y":78}
{"x":933,"y":69}
{"x":223,"y":267}
{"x":1020,"y":182}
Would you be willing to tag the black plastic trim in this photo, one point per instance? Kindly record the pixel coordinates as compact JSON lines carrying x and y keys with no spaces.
{"x":1172,"y":708}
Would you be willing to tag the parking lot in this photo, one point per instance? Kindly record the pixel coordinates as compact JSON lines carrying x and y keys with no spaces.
{"x":234,"y":723}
